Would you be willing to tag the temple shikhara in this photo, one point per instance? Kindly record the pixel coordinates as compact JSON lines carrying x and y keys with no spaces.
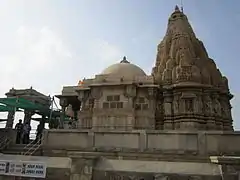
{"x":174,"y":124}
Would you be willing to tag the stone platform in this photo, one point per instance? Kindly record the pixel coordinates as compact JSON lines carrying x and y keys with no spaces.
{"x":145,"y":154}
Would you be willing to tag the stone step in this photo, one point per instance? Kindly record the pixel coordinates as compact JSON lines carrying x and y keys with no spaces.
{"x":12,"y":152}
{"x":16,"y":152}
{"x":21,"y":148}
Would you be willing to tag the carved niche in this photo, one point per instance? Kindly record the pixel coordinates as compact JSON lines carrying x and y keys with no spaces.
{"x":189,"y":102}
{"x":184,"y":73}
{"x":189,"y":105}
{"x":207,"y":105}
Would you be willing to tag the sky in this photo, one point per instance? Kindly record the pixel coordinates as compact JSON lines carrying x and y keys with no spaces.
{"x":48,"y":44}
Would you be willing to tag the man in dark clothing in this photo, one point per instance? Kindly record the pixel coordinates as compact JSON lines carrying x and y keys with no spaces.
{"x":19,"y":128}
{"x":39,"y":133}
{"x":26,"y":132}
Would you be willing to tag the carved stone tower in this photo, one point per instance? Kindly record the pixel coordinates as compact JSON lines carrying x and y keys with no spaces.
{"x":194,"y":93}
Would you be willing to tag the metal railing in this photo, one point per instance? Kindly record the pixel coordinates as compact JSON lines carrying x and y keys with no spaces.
{"x":32,"y":147}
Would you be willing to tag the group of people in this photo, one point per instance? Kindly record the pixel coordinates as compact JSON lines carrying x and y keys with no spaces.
{"x":23,"y":132}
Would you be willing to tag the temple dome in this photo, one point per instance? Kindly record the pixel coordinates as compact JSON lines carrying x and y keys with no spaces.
{"x":124,"y":69}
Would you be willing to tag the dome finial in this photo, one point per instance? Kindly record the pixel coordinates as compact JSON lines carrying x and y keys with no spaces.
{"x":124,"y":60}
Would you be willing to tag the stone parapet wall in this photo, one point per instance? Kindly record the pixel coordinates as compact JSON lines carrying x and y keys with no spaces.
{"x":165,"y":142}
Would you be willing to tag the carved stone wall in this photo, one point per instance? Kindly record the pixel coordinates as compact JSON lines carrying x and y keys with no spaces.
{"x":182,"y":64}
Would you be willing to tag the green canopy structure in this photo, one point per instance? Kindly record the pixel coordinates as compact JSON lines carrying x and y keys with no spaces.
{"x":22,"y":104}
{"x":4,"y":108}
{"x":15,"y":104}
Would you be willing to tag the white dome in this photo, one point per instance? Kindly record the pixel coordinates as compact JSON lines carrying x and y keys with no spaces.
{"x":124,"y":69}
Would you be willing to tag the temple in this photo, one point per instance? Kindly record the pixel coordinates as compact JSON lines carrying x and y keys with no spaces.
{"x":173,"y":124}
{"x":185,"y":91}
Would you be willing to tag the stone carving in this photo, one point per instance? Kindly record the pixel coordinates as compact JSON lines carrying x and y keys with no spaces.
{"x":208,"y":105}
{"x":199,"y":104}
{"x":161,"y":177}
{"x":167,"y":108}
{"x":189,"y":105}
{"x":176,"y":106}
{"x":217,"y":107}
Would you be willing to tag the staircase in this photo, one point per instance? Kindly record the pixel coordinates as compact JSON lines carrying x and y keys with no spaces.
{"x":22,"y":149}
{"x":31,"y":149}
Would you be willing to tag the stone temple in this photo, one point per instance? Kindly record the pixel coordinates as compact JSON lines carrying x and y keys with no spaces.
{"x":174,"y":124}
{"x":186,"y":90}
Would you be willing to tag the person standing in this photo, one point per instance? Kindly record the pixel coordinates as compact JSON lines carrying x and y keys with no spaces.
{"x":26,"y":132}
{"x":19,"y":128}
{"x":39,"y":133}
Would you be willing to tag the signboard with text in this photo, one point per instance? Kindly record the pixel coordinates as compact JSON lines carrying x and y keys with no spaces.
{"x":23,"y":168}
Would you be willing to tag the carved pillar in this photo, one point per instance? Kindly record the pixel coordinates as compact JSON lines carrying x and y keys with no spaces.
{"x":176,"y":109}
{"x":75,"y":109}
{"x":10,"y":119}
{"x":217,"y":110}
{"x":152,"y":96}
{"x":159,"y":114}
{"x":96,"y":94}
{"x":168,"y":119}
{"x":63,"y":103}
{"x":226,"y":112}
{"x":85,"y":116}
{"x":130,"y":93}
{"x":27,"y":116}
{"x":208,"y":111}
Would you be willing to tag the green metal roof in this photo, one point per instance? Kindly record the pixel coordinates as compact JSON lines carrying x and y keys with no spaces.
{"x":9,"y":104}
{"x":4,"y":108}
{"x":21,"y":103}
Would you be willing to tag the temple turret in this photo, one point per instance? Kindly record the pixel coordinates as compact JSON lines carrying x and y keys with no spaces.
{"x":196,"y":95}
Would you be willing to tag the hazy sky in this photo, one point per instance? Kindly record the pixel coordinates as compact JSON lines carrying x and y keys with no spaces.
{"x":50,"y":43}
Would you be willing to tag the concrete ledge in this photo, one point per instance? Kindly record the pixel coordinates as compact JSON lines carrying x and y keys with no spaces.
{"x":225,"y":160}
{"x":189,"y":168}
